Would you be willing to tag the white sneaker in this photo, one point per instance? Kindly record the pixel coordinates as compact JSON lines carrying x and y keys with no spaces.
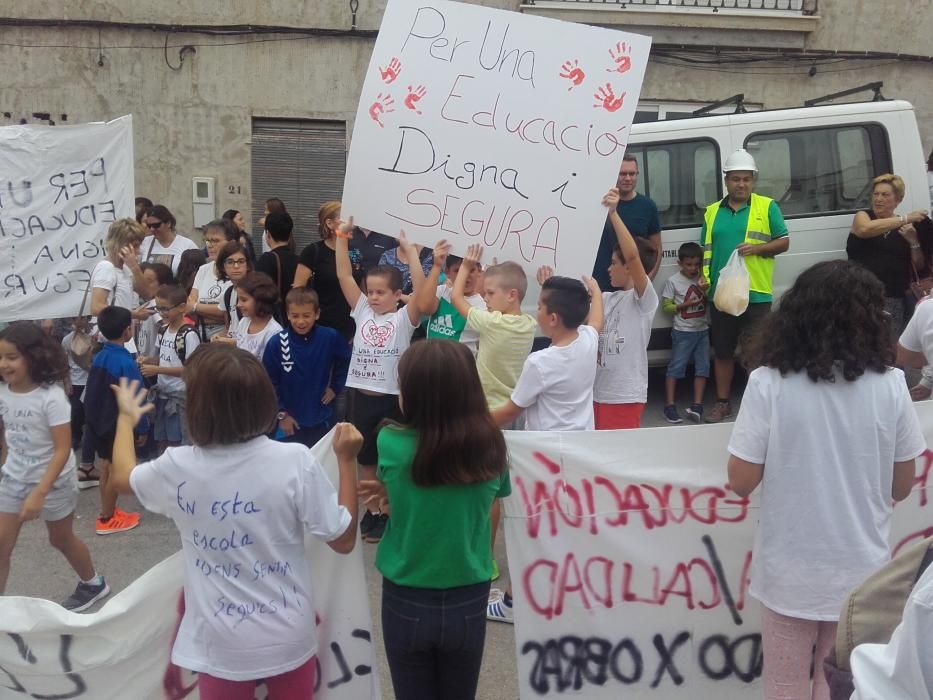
{"x":498,"y":611}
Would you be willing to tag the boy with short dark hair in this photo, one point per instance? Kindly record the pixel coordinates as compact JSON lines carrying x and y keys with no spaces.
{"x":555,"y":389}
{"x":177,"y":341}
{"x":307,"y":364}
{"x":621,"y":389}
{"x":684,"y":296}
{"x":112,"y":362}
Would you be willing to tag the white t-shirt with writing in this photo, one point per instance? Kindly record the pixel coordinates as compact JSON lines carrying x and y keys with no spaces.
{"x":27,"y":422}
{"x":210,"y":292}
{"x":556,"y":385}
{"x":168,"y":357}
{"x":622,"y":372}
{"x":829,"y":450}
{"x":255,"y":343}
{"x":249,"y":607}
{"x":378,"y":343}
{"x":153,"y":251}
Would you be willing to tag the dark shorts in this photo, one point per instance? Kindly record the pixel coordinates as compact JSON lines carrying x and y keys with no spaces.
{"x":727,"y":331}
{"x":101,"y":445}
{"x":368,"y":414}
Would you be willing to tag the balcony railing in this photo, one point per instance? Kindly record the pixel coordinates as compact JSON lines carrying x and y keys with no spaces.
{"x":803,"y":7}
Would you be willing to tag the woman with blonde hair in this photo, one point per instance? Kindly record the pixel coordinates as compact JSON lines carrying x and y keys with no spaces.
{"x":317,"y":268}
{"x":886,"y":243}
{"x":118,"y":279}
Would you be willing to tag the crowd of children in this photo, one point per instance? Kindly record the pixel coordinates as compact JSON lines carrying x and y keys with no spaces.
{"x":212,"y":364}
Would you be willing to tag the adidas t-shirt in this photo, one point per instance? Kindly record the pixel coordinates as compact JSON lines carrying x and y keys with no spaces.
{"x":447,"y":322}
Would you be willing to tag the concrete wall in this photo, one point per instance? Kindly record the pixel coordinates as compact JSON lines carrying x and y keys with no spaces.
{"x":197,"y":120}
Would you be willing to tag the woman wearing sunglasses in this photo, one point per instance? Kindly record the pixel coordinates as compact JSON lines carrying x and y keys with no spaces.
{"x":163,"y":244}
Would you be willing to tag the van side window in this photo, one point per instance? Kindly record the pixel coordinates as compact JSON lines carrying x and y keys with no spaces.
{"x":811,"y":172}
{"x":682,"y":177}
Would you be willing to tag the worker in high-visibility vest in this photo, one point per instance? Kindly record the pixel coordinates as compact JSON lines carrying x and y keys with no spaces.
{"x":754,"y":226}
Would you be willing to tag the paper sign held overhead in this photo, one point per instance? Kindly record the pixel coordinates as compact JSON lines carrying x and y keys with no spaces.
{"x":493,"y":127}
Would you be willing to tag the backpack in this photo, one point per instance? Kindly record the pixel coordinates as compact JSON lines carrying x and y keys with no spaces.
{"x":872,"y":611}
{"x":180,"y":335}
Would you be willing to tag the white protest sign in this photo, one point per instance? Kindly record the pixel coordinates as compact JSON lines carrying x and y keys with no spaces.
{"x":60,"y":188}
{"x":493,"y":127}
{"x":630,"y":559}
{"x":123,"y":650}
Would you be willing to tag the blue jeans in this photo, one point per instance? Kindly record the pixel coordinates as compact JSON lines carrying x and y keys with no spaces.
{"x":434,"y":639}
{"x":686,"y":346}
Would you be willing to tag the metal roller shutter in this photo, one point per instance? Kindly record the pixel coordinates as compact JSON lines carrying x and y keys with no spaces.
{"x":300,"y":162}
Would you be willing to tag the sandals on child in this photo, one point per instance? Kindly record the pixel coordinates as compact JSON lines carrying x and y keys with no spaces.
{"x":88,"y":477}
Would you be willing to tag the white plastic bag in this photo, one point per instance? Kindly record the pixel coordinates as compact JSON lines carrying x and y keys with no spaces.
{"x":733,"y":287}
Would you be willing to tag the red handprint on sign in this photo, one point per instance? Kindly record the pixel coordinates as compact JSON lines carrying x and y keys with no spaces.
{"x":413,"y":96}
{"x":606,"y":98}
{"x":390,"y":72}
{"x":383,"y":105}
{"x":573,"y":73}
{"x":621,"y":58}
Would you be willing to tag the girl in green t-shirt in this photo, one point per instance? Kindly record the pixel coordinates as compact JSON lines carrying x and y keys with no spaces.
{"x":439,"y":472}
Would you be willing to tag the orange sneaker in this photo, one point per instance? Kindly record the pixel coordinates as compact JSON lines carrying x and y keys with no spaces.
{"x":119,"y":522}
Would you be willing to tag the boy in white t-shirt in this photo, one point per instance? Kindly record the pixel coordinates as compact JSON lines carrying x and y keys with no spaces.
{"x":177,"y":341}
{"x":383,"y":333}
{"x":684,"y":297}
{"x":555,"y":388}
{"x":621,"y":388}
{"x":435,"y":302}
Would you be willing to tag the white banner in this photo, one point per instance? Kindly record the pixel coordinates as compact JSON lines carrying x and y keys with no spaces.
{"x":630,"y":558}
{"x":493,"y":127}
{"x":123,"y":650}
{"x":60,"y":188}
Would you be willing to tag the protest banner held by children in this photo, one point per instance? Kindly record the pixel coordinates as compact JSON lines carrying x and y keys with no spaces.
{"x":827,"y":428}
{"x":230,"y":649}
{"x":112,"y":363}
{"x":383,"y":333}
{"x":307,"y":365}
{"x":443,"y":464}
{"x":684,"y":297}
{"x":38,"y":477}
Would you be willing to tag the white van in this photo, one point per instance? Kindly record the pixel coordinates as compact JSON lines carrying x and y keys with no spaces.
{"x":816,"y":162}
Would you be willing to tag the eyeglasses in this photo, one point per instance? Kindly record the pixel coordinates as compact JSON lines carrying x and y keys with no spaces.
{"x":154,"y":224}
{"x":635,"y":174}
{"x":213,"y":241}
{"x":165,"y":309}
{"x":235,"y":262}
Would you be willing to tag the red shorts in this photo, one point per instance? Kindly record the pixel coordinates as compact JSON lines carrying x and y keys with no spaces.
{"x":617,"y":416}
{"x":297,"y":684}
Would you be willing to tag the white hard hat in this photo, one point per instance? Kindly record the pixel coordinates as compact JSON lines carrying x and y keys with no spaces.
{"x":740,"y":160}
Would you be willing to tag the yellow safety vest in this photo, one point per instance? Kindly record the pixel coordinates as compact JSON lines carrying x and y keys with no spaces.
{"x":757,"y":232}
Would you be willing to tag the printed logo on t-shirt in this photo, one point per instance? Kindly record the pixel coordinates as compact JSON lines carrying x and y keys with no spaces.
{"x":446,"y":322}
{"x":697,"y":300}
{"x":164,"y":258}
{"x":377,"y":335}
{"x":214,"y":291}
{"x":609,"y":344}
